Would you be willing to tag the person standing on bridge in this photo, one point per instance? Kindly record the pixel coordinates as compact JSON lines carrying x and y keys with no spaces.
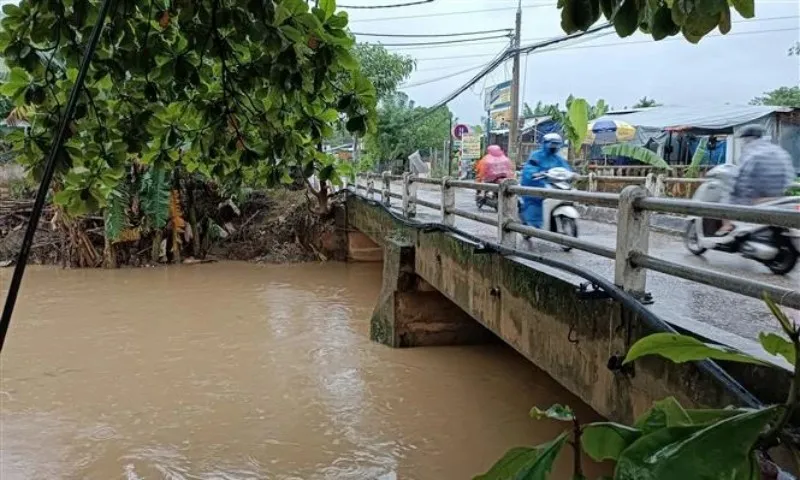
{"x":540,"y":161}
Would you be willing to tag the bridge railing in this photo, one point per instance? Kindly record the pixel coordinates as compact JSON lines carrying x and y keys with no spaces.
{"x":657,"y":184}
{"x":631,"y":256}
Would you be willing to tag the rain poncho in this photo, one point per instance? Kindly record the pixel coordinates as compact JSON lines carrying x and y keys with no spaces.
{"x":540,"y":161}
{"x":494,"y":166}
{"x":766,"y":171}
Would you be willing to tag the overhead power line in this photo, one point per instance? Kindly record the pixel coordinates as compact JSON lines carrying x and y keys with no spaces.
{"x":428,"y":35}
{"x":616,"y":44}
{"x":445,"y":14}
{"x":495,"y":42}
{"x":440,"y":42}
{"x":508,"y":53}
{"x":393,"y":5}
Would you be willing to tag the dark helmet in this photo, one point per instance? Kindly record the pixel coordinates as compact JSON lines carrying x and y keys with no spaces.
{"x":752,"y":132}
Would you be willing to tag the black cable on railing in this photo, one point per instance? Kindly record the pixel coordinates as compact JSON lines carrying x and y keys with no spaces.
{"x":650,"y":319}
{"x":47,"y":177}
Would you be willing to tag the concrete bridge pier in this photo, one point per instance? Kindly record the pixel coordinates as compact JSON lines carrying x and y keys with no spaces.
{"x":412,"y":313}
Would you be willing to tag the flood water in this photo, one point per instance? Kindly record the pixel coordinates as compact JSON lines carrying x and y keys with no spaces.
{"x":238,"y":371}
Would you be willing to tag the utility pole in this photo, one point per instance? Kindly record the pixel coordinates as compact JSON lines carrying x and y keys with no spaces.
{"x":513,"y":133}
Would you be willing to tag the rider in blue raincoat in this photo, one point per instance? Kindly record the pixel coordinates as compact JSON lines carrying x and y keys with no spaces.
{"x":539,"y":162}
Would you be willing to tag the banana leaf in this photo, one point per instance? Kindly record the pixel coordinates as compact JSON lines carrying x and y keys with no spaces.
{"x":637,"y":153}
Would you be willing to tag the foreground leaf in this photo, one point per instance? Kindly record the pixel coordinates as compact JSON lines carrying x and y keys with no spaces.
{"x":526,"y":463}
{"x":555,"y":412}
{"x":607,"y":440}
{"x":787,"y":325}
{"x":718,"y":451}
{"x":682,"y":348}
{"x":777,"y":345}
{"x":664,"y":413}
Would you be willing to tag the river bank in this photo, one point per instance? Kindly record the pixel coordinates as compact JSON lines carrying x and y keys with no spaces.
{"x":272,"y":226}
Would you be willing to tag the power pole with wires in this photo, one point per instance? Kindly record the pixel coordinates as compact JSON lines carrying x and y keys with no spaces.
{"x":513,"y":133}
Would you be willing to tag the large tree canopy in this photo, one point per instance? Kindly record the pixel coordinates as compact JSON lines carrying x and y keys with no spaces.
{"x":219,"y":87}
{"x":659,"y":18}
{"x":404,"y":127}
{"x":385,"y":69}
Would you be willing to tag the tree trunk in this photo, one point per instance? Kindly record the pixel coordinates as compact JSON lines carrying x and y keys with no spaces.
{"x":155,"y":251}
{"x":193,"y":221}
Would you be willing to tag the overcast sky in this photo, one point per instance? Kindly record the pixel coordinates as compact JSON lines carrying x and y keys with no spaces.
{"x":734,"y":68}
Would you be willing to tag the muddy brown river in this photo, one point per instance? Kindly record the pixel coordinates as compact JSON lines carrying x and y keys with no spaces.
{"x":238,"y":371}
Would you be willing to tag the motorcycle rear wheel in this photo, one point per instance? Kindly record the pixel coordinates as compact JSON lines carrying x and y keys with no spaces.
{"x":785,"y":261}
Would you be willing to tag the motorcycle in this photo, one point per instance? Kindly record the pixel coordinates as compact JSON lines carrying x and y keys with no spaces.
{"x":777,"y":248}
{"x":484,"y":198}
{"x":558,"y":216}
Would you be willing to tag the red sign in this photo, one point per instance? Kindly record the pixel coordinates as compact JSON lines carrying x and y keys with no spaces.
{"x":460,"y":130}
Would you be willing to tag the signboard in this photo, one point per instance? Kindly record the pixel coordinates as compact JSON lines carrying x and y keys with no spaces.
{"x":460,"y":130}
{"x":497,"y":97}
{"x":470,"y":147}
{"x":501,"y":118}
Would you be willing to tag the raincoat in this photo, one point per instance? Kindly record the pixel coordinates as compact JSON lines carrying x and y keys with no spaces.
{"x":766,"y":172}
{"x":540,"y":161}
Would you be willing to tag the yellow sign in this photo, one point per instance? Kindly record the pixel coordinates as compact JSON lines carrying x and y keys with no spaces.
{"x":470,"y":147}
{"x":501,"y":119}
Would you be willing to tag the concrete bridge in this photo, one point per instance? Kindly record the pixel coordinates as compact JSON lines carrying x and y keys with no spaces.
{"x":442,"y":288}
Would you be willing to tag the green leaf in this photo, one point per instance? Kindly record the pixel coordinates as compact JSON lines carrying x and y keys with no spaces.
{"x":697,"y":158}
{"x":712,"y":415}
{"x":682,"y":348}
{"x":718,"y":451}
{"x":778,"y":345}
{"x":579,"y":119}
{"x":556,"y":412}
{"x":746,"y":8}
{"x":635,"y":152}
{"x":526,"y":463}
{"x":328,"y":7}
{"x":664,"y":413}
{"x":607,"y":440}
{"x":787,"y":325}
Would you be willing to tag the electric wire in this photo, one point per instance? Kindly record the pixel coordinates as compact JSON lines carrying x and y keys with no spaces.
{"x":439,"y":42}
{"x":445,"y":14}
{"x":392,"y":5}
{"x":428,"y":35}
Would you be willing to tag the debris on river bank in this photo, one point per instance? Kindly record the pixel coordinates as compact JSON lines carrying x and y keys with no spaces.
{"x":272,"y":226}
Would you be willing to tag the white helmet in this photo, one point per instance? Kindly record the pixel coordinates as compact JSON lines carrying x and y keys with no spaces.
{"x":553,"y":138}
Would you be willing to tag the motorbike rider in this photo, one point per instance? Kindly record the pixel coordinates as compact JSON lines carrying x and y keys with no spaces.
{"x":766,"y":171}
{"x":540,"y":161}
{"x":493,"y":166}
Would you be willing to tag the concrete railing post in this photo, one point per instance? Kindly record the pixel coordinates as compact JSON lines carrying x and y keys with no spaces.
{"x":386,"y":197}
{"x":660,"y":188}
{"x":592,"y":182}
{"x":507,"y":211}
{"x":409,"y":196}
{"x":633,"y":235}
{"x":370,"y":187}
{"x":448,"y":202}
{"x":650,"y":183}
